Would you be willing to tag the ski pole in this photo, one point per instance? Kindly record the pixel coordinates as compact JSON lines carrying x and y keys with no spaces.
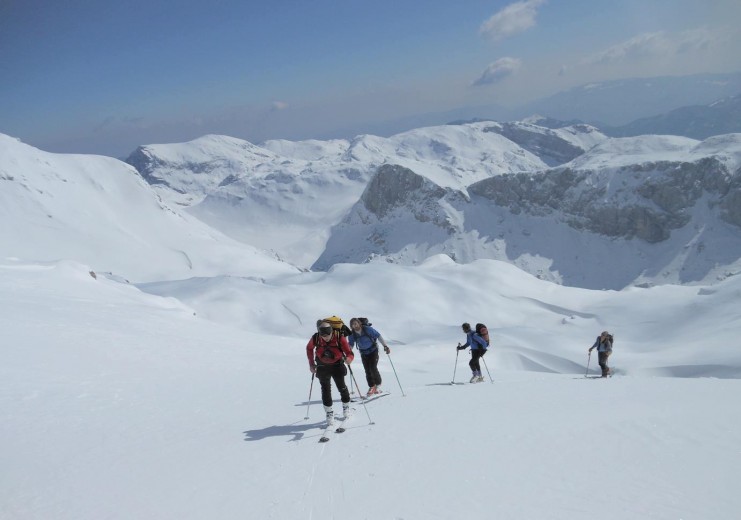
{"x":456,"y":364}
{"x":397,"y":377}
{"x":588,"y":360}
{"x":487,"y":368}
{"x":370,"y":421}
{"x":311,"y":386}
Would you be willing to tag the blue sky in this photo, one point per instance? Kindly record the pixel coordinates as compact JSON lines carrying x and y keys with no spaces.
{"x":95,"y":76}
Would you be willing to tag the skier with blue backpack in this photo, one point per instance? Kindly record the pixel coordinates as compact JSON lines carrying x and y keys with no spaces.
{"x":479,"y":342}
{"x":366,"y":338}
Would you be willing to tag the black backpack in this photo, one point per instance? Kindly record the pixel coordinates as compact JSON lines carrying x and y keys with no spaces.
{"x":483,"y":331}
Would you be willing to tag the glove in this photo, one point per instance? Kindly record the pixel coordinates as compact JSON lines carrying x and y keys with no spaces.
{"x":459,"y":347}
{"x":312,"y":368}
{"x":386,"y":349}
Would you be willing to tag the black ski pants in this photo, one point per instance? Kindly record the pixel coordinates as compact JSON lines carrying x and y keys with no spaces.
{"x":336,"y":371}
{"x":370,"y":364}
{"x":476,"y":354}
{"x":602,"y":359}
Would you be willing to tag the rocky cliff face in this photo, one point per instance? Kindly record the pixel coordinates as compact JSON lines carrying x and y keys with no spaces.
{"x":643,"y":221}
{"x":645,"y":201}
{"x":396,"y":187}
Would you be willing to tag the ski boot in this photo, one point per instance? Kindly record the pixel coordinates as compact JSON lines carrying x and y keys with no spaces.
{"x":330,"y":415}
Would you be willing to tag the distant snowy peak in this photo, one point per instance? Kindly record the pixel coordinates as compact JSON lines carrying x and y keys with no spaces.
{"x":308,"y":150}
{"x":621,"y":152}
{"x":550,"y":122}
{"x":194,"y":168}
{"x":553,"y":146}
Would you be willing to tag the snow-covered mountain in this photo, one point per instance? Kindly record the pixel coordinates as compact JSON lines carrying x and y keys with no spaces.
{"x":566,"y":204}
{"x":100,"y":211}
{"x":653,"y":209}
{"x":286,"y":196}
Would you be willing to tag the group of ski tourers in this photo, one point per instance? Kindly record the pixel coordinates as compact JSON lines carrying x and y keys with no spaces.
{"x":330,"y":353}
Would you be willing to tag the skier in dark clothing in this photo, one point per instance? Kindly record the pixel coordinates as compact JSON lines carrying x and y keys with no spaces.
{"x":478,"y":349}
{"x":603,"y":344}
{"x":328,"y":352}
{"x":366,"y":338}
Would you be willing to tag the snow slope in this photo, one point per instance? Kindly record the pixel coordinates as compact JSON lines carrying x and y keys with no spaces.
{"x":100,"y":211}
{"x":121,"y":404}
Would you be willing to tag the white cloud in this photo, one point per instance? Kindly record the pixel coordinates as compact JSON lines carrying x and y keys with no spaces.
{"x":279,"y":105}
{"x":497,"y":71}
{"x":656,"y":45}
{"x":513,"y":19}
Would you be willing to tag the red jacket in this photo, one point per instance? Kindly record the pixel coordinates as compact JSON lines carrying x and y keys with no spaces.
{"x":328,"y":352}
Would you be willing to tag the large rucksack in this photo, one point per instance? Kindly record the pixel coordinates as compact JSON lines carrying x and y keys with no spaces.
{"x":482,"y":331}
{"x":338,"y":325}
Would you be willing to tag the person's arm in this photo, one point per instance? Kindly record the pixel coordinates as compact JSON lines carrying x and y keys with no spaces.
{"x":386,"y":348}
{"x":310,"y":354}
{"x":376,"y":336}
{"x":346,"y":350}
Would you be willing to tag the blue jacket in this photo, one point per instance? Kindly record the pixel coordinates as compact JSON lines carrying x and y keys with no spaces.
{"x":475,"y":341}
{"x":366,"y":340}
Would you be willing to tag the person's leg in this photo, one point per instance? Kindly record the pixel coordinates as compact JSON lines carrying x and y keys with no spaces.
{"x":323,"y":373}
{"x":368,"y":367}
{"x":376,"y":375}
{"x":338,"y":374}
{"x":602,"y":360}
{"x":475,"y":356}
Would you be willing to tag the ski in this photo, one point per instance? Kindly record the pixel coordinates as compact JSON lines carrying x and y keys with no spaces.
{"x":339,"y":429}
{"x":370,"y":398}
{"x":324,"y":437}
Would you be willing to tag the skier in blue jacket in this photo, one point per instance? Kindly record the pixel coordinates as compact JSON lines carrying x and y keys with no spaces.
{"x":478,"y":349}
{"x":366,"y":338}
